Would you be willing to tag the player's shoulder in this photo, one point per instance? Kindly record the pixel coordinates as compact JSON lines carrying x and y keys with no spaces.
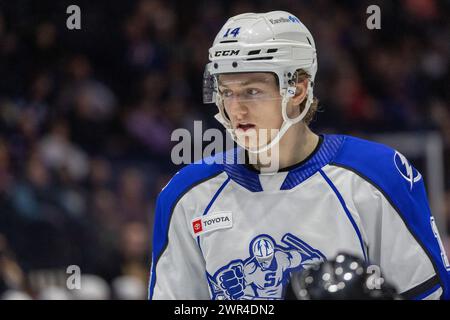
{"x":377,"y":163}
{"x":357,"y":152}
{"x":190,"y":176}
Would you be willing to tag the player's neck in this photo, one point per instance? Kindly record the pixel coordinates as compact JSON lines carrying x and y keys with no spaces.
{"x":295,"y":146}
{"x":299,"y":144}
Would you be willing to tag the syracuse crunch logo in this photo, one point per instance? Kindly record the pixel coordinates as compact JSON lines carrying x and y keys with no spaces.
{"x":215,"y":221}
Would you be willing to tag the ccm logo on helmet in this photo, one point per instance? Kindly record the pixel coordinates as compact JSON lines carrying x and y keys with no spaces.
{"x":226,"y":53}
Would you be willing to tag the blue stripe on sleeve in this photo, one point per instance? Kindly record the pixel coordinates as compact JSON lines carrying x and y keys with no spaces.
{"x":349,"y":215}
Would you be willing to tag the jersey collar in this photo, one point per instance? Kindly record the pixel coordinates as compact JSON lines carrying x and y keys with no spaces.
{"x":250,"y":178}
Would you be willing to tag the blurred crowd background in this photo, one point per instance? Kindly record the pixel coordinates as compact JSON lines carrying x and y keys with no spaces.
{"x":86,"y":117}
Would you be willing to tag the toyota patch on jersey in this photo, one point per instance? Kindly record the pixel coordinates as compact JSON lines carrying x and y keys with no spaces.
{"x":212,"y":222}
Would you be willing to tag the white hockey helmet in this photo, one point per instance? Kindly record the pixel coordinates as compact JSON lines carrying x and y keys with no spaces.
{"x":276,"y":42}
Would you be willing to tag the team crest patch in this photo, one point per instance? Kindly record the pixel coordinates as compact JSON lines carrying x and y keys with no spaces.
{"x":266,"y":272}
{"x":211,"y":222}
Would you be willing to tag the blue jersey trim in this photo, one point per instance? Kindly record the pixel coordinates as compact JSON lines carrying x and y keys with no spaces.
{"x":421,"y":288}
{"x":189,"y":177}
{"x":347,"y":212}
{"x":427,"y":293}
{"x":379,"y":165}
{"x":327,"y":151}
{"x":211,"y":203}
{"x":235,"y":168}
{"x":249,"y":179}
{"x":216,"y":195}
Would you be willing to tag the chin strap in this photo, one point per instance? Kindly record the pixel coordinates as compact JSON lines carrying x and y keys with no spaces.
{"x":287,"y":122}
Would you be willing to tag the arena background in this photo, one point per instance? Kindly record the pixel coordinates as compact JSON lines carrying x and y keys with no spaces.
{"x":86,"y":117}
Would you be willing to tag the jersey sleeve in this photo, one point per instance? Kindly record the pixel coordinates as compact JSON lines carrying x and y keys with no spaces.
{"x":178,"y":268}
{"x":400,"y":231}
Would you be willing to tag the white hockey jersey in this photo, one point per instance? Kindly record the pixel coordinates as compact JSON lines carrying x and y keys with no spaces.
{"x":225,"y":231}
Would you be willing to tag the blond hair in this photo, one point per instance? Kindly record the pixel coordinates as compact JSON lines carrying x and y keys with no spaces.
{"x":301,"y":75}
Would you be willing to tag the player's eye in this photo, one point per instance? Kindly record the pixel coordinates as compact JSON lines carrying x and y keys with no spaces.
{"x":253,"y":91}
{"x":226,"y":93}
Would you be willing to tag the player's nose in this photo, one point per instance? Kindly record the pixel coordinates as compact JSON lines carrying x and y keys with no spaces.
{"x":237,"y":108}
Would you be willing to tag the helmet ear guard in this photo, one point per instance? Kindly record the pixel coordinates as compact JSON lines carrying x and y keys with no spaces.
{"x":209,"y":86}
{"x":288,"y":96}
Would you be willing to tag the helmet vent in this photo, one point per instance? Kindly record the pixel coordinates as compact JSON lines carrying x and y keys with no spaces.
{"x":260,"y":58}
{"x":228,"y":41}
{"x":272,"y":50}
{"x":254,"y":52}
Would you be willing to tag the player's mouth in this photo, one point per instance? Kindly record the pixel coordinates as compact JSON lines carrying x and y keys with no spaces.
{"x":244,"y":126}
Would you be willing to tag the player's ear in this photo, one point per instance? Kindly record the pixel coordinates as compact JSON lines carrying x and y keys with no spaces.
{"x":300,"y":93}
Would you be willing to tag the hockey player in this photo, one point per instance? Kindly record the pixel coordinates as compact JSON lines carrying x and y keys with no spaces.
{"x":236,"y":231}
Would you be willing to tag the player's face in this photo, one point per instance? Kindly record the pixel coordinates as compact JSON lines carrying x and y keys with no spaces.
{"x":253,"y":104}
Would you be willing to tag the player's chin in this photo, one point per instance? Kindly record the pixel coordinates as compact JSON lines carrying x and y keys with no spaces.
{"x":255,"y":146}
{"x":251,"y":144}
{"x":252,"y":138}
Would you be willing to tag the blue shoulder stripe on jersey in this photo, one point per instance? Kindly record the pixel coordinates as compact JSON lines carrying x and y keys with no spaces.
{"x":187,"y":178}
{"x":211,"y":203}
{"x":376,"y":163}
{"x":327,"y":151}
{"x":216,"y":195}
{"x":347,"y":212}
